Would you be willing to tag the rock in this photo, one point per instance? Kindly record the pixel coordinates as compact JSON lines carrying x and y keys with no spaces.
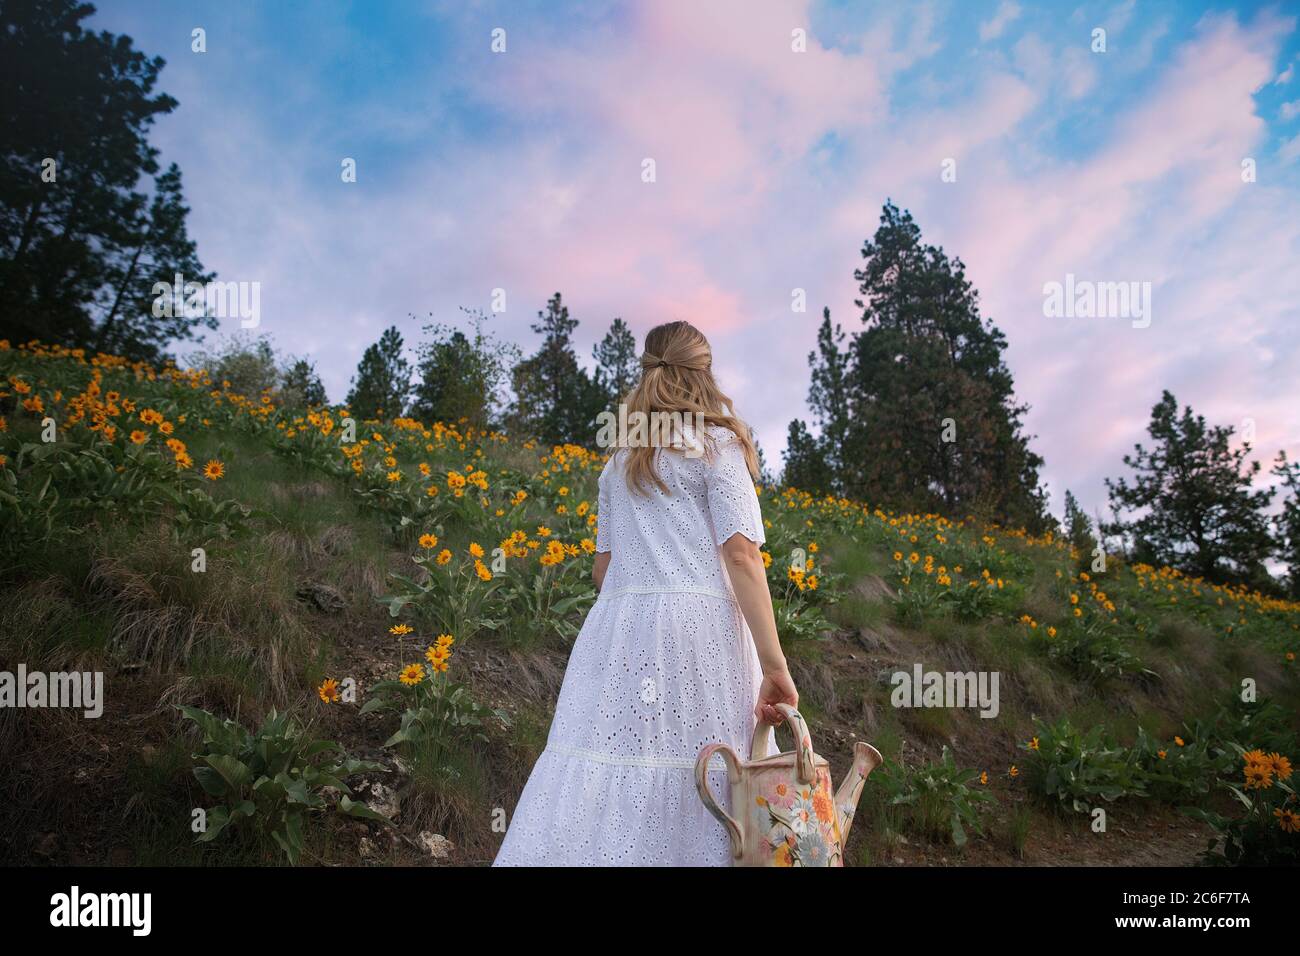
{"x":435,"y":844}
{"x":383,"y":800}
{"x":324,"y":597}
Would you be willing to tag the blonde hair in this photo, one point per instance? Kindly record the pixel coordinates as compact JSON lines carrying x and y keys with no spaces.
{"x":677,"y":376}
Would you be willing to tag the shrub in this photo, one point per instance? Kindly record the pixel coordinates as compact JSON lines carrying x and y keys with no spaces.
{"x":270,"y":780}
{"x":1093,"y":651}
{"x":1179,"y":771}
{"x":938,"y":798}
{"x":1077,"y":769}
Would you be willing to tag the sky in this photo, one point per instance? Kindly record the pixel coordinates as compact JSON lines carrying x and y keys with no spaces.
{"x":1164,"y":151}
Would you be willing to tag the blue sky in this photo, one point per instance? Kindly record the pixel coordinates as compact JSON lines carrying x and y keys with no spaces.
{"x":522,"y":171}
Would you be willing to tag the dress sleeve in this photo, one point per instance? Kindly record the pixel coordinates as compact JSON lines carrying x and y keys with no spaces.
{"x":604,"y":517}
{"x":733,"y":502}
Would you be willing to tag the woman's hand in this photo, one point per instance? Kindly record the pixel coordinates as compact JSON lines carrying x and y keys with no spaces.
{"x":777,"y":688}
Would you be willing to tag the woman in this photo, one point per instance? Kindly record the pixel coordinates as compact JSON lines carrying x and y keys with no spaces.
{"x":680,"y":649}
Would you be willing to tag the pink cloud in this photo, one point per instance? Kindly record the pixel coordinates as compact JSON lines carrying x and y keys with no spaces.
{"x":750,"y":203}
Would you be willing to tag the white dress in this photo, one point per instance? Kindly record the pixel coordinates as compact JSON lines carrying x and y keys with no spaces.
{"x":663,"y":665}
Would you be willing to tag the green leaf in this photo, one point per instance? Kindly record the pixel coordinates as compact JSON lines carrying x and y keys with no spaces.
{"x":211,"y":781}
{"x":320,"y":747}
{"x":355,"y":808}
{"x":958,"y":833}
{"x":217,"y":819}
{"x":233,"y":772}
{"x":400,"y":737}
{"x":295,"y":790}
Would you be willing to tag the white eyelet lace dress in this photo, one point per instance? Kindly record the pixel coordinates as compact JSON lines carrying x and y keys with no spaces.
{"x":663,"y":665}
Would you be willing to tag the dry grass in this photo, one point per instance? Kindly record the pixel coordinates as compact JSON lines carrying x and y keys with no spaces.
{"x":238,"y":631}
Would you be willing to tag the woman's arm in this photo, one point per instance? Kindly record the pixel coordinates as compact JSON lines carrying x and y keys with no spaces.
{"x":600,"y":567}
{"x":749,"y":581}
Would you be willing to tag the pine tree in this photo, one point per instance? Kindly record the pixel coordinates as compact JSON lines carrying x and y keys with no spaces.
{"x":1078,"y":529}
{"x":806,"y":467}
{"x":301,"y":386}
{"x":461,"y":375}
{"x":618,"y":365}
{"x":383,"y":380}
{"x":159,"y":250}
{"x":828,"y":395}
{"x":555,"y":399}
{"x":1191,"y":502}
{"x":80,"y":244}
{"x":1286,"y":523}
{"x":933,"y":424}
{"x":816,"y":463}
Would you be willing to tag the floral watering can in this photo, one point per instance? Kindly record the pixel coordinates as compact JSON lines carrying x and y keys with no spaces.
{"x":782,"y":809}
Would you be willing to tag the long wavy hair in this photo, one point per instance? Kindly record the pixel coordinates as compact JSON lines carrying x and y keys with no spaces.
{"x":677,"y":376}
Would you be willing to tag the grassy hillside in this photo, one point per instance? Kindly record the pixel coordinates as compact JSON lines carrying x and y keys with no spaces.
{"x":208,"y":550}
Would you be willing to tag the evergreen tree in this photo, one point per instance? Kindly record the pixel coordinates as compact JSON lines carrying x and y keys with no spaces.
{"x":383,"y":380}
{"x":555,"y":399}
{"x":301,"y":386}
{"x":461,"y":375}
{"x":80,"y":245}
{"x":159,"y":251}
{"x":1078,"y":529}
{"x":448,"y":390}
{"x":1286,"y":523}
{"x":933,"y":424}
{"x":618,"y":364}
{"x":816,"y":463}
{"x":829,"y":399}
{"x":806,"y":467}
{"x":1190,"y":502}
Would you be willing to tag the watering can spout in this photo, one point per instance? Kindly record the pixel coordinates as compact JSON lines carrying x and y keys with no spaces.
{"x":866,"y":758}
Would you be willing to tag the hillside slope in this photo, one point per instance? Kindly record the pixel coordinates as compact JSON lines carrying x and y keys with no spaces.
{"x":208,"y":550}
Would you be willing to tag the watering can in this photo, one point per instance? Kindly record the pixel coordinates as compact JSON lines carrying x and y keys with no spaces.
{"x":782,"y":810}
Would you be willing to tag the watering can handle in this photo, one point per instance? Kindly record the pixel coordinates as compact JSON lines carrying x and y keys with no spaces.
{"x":706,"y":794}
{"x":802,"y":742}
